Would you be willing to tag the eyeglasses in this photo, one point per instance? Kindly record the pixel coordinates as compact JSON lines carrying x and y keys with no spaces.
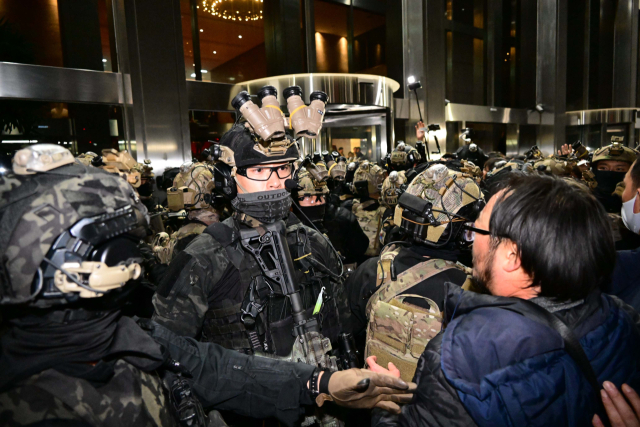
{"x":263,"y":173}
{"x":469,"y":233}
{"x":313,"y":199}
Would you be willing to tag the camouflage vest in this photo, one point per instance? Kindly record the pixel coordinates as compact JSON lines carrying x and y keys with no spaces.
{"x":398,"y":331}
{"x":399,"y":157}
{"x":371,"y":223}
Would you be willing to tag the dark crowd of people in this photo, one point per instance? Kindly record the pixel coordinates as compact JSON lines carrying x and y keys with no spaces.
{"x":257,"y":286}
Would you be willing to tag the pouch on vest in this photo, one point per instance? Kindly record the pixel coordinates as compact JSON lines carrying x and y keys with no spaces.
{"x":399,"y":331}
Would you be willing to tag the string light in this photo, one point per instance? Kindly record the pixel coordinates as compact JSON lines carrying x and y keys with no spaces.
{"x":234,"y":10}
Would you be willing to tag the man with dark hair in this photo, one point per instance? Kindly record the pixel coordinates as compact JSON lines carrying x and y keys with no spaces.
{"x":543,"y":248}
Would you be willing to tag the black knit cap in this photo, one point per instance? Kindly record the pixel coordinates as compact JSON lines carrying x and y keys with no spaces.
{"x":242,"y":142}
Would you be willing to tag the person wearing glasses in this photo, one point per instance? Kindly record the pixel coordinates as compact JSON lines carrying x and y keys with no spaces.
{"x":540,"y":341}
{"x":406,"y":283}
{"x":214,"y":290}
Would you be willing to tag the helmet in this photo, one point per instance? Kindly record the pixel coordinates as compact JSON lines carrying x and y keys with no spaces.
{"x":615,"y":151}
{"x":67,"y":235}
{"x":373,"y":175}
{"x":239,"y":148}
{"x":192,"y":187}
{"x":553,"y":166}
{"x":86,"y":158}
{"x":404,"y":156}
{"x":392,"y":187}
{"x":436,"y":205}
{"x":120,"y":163}
{"x":308,"y":185}
{"x":505,"y":166}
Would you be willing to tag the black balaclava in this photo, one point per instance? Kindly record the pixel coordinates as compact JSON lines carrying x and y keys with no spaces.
{"x":314,"y":213}
{"x":607,"y":181}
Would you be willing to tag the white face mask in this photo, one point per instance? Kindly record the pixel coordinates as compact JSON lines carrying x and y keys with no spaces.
{"x":631,"y":220}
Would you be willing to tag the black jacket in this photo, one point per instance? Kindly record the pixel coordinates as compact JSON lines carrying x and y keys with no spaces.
{"x":345,"y":233}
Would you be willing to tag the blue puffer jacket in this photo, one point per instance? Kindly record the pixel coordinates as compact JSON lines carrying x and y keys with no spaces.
{"x":492,"y":366}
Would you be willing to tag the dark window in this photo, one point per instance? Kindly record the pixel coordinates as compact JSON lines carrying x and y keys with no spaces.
{"x":78,"y":127}
{"x":369,"y":43}
{"x":63,"y":33}
{"x":332,"y":31}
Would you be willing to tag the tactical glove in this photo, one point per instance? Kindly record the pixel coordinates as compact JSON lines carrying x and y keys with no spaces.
{"x":361,"y":388}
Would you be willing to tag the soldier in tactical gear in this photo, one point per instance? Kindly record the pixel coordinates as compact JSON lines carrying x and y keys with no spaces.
{"x":367,"y":182}
{"x":470,"y":150}
{"x":215,"y":291}
{"x":402,"y":157}
{"x":404,"y":287}
{"x":69,"y":357}
{"x":340,"y":225}
{"x":191,"y":191}
{"x":609,"y":165}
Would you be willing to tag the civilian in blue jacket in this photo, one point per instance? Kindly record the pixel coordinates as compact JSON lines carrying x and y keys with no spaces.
{"x":549,"y":242}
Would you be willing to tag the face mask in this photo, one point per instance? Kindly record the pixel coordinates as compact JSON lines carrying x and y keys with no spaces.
{"x":265,"y":206}
{"x":630,"y":219}
{"x":607,"y":180}
{"x":314,"y":213}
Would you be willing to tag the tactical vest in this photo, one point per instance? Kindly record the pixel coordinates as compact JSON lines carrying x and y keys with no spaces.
{"x":371,"y":223}
{"x":399,"y":331}
{"x":227,"y":322}
{"x":399,"y":157}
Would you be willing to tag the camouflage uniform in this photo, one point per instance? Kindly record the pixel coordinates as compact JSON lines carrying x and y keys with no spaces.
{"x":211,"y":286}
{"x":403,"y":157}
{"x":75,"y":365}
{"x":396,"y":298}
{"x":368,"y":211}
{"x":204,"y":290}
{"x":197,"y":179}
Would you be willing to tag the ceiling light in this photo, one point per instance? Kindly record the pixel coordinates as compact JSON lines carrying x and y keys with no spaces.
{"x":204,"y":71}
{"x":104,"y":60}
{"x":239,"y":37}
{"x":201,"y":30}
{"x":214,"y":52}
{"x":235,"y":10}
{"x":193,"y":74}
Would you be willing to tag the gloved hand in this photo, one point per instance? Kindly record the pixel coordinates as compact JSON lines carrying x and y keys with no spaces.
{"x":361,"y":388}
{"x":619,"y":189}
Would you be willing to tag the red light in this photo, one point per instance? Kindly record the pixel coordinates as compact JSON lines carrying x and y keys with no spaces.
{"x":84,"y":129}
{"x":89,"y":142}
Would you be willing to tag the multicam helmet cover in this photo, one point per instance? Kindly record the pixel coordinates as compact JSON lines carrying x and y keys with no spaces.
{"x":553,"y":166}
{"x":372,"y":173}
{"x":615,"y":151}
{"x":36,"y":209}
{"x":308,"y":186}
{"x":401,"y":153}
{"x":391,"y":188}
{"x":447,"y":190}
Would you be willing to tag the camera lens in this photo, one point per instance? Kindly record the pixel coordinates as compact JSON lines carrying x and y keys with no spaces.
{"x":266,"y":91}
{"x":292,"y":90}
{"x":240,"y":99}
{"x":318,"y":95}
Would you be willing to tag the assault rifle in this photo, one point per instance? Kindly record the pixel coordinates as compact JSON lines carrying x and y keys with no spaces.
{"x":268,"y":244}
